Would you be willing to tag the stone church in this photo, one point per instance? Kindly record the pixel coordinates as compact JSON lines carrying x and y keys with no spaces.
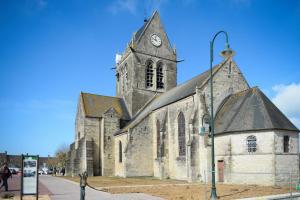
{"x":151,"y":128}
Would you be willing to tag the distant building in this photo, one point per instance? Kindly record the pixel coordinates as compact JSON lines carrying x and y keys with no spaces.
{"x":151,"y":128}
{"x":16,"y":160}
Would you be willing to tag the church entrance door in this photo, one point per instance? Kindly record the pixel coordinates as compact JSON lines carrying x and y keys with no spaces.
{"x":221,"y":170}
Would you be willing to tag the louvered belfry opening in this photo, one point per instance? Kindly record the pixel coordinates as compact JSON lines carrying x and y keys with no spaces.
{"x":159,"y":76}
{"x":149,"y":74}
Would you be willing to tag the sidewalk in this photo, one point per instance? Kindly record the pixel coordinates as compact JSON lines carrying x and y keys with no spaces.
{"x":14,"y":187}
{"x":67,"y":190}
{"x":294,"y":196}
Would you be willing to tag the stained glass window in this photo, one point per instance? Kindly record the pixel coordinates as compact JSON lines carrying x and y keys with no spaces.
{"x":181,"y":134}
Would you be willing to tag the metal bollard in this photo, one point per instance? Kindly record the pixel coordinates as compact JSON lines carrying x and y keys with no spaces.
{"x":83,"y":183}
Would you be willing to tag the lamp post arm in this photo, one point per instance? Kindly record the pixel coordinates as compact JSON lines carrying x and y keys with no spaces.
{"x":213,"y":41}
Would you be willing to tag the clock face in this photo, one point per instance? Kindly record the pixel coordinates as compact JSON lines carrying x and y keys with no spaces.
{"x":155,"y":40}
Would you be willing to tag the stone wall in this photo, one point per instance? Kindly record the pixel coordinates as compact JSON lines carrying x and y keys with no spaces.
{"x":111,"y":123}
{"x":120,"y":165}
{"x":286,"y":163}
{"x":80,"y":159}
{"x":225,"y":82}
{"x":178,"y":165}
{"x":241,"y":166}
{"x":139,"y":158}
{"x":79,"y":122}
{"x":91,"y":132}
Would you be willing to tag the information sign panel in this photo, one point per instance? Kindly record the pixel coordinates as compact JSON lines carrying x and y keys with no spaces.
{"x":29,"y":175}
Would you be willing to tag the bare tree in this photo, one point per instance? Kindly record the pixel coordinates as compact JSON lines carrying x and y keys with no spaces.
{"x":61,"y":155}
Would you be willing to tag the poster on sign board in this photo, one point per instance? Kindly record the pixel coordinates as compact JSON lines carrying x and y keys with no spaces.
{"x":29,"y":175}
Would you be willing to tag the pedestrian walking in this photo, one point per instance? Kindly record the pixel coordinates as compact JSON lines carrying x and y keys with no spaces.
{"x":54,"y":171}
{"x":5,"y":174}
{"x":63,"y":171}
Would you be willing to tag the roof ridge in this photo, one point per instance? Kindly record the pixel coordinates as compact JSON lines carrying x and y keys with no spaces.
{"x":99,"y":95}
{"x":257,"y":90}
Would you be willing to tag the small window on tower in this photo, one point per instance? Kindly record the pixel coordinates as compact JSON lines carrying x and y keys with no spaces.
{"x":120,"y":151}
{"x":159,"y":76}
{"x":286,"y":143}
{"x":125,"y":75}
{"x":251,"y":144}
{"x":229,"y":70}
{"x":149,"y":74}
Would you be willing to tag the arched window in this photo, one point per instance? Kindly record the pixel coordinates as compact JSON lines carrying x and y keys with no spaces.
{"x":159,"y":76}
{"x":251,"y":144}
{"x":158,"y":139}
{"x":120,"y":151}
{"x":181,"y":134}
{"x":149,"y":74}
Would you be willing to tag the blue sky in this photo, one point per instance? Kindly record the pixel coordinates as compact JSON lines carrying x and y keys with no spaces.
{"x":50,"y":50}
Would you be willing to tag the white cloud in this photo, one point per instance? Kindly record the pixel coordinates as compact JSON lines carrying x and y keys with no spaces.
{"x":287,"y":99}
{"x":123,"y":5}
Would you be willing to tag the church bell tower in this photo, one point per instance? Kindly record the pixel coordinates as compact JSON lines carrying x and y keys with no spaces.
{"x":148,"y":66}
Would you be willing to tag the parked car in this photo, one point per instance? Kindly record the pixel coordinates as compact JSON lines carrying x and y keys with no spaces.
{"x":14,"y":170}
{"x":50,"y":171}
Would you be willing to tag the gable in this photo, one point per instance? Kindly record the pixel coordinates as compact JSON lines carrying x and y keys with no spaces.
{"x":97,"y":105}
{"x":142,"y":38}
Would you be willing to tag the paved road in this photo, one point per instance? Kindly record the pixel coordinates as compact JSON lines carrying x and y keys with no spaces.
{"x":68,"y":190}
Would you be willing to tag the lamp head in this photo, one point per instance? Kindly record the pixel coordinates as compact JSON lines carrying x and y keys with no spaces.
{"x":227,"y":52}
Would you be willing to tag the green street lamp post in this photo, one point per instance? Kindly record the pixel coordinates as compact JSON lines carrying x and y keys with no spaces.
{"x":225,"y":53}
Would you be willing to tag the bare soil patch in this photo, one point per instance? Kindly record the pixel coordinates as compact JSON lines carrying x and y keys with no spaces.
{"x":179,"y":190}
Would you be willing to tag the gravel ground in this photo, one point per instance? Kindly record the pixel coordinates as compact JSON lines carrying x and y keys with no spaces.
{"x":177,"y":190}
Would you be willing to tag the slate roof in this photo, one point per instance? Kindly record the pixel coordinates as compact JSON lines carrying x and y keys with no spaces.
{"x":175,"y":94}
{"x":250,"y":110}
{"x":140,"y":31}
{"x":143,"y":28}
{"x":96,"y":105}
